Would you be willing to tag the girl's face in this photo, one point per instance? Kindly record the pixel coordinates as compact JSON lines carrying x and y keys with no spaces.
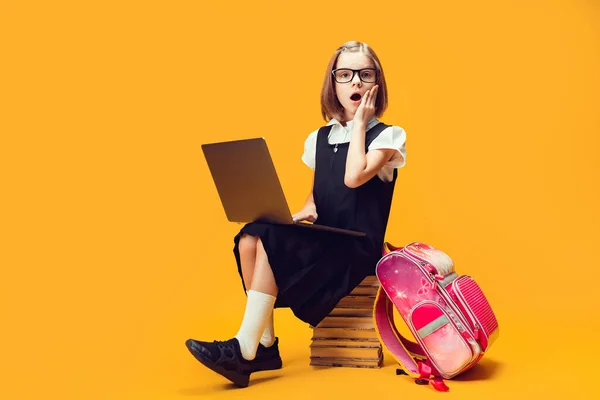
{"x":351,"y":93}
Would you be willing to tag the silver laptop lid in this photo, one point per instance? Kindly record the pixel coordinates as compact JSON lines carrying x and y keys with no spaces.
{"x":246,"y":181}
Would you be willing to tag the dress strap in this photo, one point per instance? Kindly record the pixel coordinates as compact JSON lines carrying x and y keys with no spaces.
{"x":323,"y":136}
{"x":374,"y":132}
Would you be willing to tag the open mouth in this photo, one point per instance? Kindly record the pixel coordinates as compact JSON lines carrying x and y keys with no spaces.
{"x":355,"y":97}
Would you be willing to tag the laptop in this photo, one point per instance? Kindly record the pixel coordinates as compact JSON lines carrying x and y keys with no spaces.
{"x":248,"y":186}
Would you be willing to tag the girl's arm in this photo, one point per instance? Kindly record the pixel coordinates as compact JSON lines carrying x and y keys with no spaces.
{"x":361,"y":166}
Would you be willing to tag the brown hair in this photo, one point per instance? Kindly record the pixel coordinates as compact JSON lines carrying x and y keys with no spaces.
{"x":330,"y":105}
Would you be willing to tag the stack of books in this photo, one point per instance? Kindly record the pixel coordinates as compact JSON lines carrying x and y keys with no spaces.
{"x":347,"y":336}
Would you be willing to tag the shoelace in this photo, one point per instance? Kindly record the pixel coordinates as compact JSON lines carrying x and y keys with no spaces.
{"x":227,"y":351}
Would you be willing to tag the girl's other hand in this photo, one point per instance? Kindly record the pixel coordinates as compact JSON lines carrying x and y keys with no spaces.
{"x":366,"y":108}
{"x":306,"y":214}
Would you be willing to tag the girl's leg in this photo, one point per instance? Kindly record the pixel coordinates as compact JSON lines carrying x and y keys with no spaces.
{"x":263,"y":280}
{"x":259,"y":307}
{"x":263,"y":276}
{"x":247,"y":248}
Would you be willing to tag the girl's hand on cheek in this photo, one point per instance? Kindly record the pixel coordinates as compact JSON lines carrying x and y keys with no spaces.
{"x":366,"y":109}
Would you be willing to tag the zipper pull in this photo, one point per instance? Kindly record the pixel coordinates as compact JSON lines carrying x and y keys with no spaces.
{"x":433,"y":281}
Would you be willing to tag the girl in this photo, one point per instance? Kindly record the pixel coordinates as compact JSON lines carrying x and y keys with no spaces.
{"x":354,"y":158}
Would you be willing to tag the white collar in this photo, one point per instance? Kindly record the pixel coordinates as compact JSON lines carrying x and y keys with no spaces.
{"x":349,"y":124}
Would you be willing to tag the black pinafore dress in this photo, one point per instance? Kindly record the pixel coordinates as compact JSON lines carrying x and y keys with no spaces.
{"x":314,"y":270}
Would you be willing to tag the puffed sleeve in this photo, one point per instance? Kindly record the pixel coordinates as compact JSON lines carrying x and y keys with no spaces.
{"x":392,"y":137}
{"x":310,"y":150}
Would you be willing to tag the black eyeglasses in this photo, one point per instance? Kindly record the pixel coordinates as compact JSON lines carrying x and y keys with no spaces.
{"x":345,"y":75}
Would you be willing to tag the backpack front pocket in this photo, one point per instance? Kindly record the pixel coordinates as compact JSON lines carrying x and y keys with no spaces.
{"x":446,"y":345}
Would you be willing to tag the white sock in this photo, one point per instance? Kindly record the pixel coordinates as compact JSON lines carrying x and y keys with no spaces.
{"x":268,"y":336}
{"x":259,"y":308}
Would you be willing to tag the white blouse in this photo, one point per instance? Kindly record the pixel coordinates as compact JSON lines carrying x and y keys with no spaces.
{"x":392,"y":137}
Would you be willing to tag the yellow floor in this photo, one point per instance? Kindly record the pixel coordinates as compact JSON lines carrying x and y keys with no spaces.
{"x":503,"y":373}
{"x":165,"y":370}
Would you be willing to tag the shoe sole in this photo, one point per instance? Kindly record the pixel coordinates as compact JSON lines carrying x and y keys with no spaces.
{"x":267,"y":366}
{"x":238,"y":379}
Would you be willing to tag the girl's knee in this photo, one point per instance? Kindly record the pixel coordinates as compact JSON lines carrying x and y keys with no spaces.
{"x":248,"y":243}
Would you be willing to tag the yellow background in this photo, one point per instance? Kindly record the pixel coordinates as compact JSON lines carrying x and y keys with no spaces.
{"x":115,"y":247}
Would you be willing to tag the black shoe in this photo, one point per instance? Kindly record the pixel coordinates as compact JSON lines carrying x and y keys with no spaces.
{"x":267,"y":358}
{"x":224,"y":358}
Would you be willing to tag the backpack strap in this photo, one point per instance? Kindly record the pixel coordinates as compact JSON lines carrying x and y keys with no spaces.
{"x":391,"y":338}
{"x":413,"y":348}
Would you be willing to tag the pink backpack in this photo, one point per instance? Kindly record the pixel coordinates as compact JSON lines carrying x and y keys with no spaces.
{"x":448,"y":314}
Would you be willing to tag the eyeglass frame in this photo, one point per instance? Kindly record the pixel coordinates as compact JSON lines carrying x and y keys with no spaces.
{"x":354,"y":71}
